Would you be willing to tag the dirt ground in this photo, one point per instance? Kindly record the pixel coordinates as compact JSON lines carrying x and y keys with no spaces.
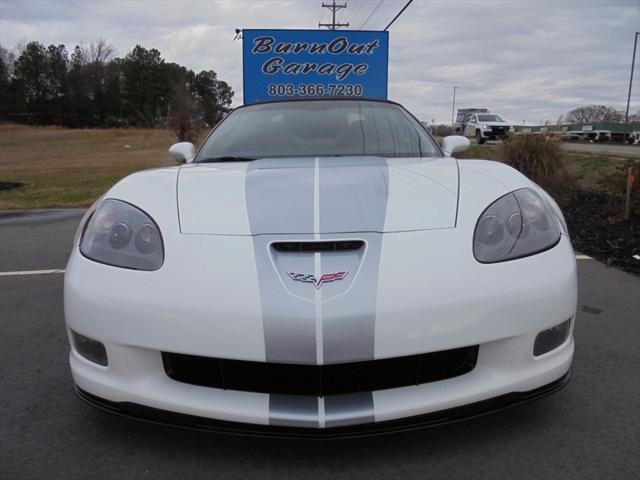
{"x":597,"y":228}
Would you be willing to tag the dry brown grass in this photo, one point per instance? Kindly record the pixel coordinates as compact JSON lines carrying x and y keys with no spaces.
{"x":71,"y":168}
{"x":540,"y":159}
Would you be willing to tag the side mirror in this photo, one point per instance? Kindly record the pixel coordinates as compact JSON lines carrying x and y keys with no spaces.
{"x":183,"y":152}
{"x":455,"y":143}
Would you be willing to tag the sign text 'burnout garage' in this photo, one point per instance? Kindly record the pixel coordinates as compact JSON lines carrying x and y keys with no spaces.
{"x":340,"y":45}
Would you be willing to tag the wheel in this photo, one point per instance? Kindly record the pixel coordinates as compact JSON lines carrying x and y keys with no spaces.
{"x":479,"y":137}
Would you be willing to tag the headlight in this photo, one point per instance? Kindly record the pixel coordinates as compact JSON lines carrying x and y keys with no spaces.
{"x":122,"y":235}
{"x":516,"y":225}
{"x":485,"y":127}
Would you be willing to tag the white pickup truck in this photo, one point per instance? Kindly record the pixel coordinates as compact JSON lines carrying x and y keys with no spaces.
{"x":481,"y":124}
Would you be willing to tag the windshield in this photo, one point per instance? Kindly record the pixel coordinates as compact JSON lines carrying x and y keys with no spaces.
{"x":318,"y":128}
{"x":489,"y":118}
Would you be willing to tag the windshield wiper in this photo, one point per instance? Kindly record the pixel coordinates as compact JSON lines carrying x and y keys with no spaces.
{"x":226,"y":159}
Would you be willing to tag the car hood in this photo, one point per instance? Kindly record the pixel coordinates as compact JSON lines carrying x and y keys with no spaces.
{"x":318,"y":195}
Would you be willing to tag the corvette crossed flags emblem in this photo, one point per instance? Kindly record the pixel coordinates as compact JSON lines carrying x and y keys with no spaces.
{"x":325,"y":278}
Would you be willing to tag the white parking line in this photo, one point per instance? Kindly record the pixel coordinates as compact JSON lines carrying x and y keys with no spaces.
{"x":31,"y":272}
{"x":583,"y":257}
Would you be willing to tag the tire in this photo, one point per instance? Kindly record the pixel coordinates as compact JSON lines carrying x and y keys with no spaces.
{"x":479,"y":138}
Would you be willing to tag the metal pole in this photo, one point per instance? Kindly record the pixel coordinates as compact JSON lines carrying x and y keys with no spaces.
{"x":333,"y":12}
{"x":627,"y":197}
{"x":333,"y":7}
{"x":625,"y":138}
{"x":453,"y":106}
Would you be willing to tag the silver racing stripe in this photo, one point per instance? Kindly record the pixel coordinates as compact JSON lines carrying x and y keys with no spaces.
{"x":297,"y":199}
{"x":293,"y":410}
{"x":280,"y":200}
{"x":353,"y":194}
{"x":353,"y":198}
{"x":289,"y":322}
{"x":280,"y":195}
{"x":349,"y":409}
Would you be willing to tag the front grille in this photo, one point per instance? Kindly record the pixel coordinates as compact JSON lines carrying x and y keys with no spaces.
{"x":319,"y":380}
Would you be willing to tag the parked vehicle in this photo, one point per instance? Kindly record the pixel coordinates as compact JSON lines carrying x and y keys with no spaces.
{"x":320,"y":268}
{"x":481,"y":124}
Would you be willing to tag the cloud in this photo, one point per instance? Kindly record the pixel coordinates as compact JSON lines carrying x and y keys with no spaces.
{"x":526,"y":59}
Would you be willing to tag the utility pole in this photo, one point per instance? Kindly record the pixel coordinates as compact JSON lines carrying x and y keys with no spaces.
{"x":625,"y":137}
{"x":334,"y":7}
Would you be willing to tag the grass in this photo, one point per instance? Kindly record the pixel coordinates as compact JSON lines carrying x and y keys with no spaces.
{"x":71,"y":168}
{"x":592,"y":171}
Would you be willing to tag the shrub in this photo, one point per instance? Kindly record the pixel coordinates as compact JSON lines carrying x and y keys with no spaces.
{"x":534,"y":155}
{"x":541,"y":160}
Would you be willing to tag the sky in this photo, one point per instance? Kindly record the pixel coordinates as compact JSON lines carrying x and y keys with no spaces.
{"x":527,"y":60}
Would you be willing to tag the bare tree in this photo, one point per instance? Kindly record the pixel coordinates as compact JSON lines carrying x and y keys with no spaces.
{"x":594,"y":113}
{"x":98,"y":51}
{"x":181,"y":118}
{"x":7,"y":58}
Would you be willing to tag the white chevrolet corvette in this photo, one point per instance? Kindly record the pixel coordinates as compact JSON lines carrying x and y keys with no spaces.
{"x":320,"y":268}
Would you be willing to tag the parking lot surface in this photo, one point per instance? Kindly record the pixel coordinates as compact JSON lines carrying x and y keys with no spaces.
{"x":588,"y":430}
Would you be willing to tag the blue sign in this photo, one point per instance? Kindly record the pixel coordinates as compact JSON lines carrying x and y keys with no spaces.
{"x":310,"y":63}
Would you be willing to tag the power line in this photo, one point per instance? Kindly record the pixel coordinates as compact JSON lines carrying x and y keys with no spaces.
{"x":354,"y":9}
{"x":334,"y":7}
{"x":371,"y":14}
{"x":399,"y":13}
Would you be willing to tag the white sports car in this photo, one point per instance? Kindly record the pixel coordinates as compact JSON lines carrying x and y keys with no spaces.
{"x":324,"y":268}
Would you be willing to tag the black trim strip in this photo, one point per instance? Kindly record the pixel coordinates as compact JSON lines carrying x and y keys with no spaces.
{"x":153,"y":415}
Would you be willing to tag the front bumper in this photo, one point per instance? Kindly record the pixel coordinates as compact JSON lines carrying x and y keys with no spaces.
{"x":137,"y":377}
{"x":138,"y":315}
{"x":163,"y":417}
{"x":494,"y":134}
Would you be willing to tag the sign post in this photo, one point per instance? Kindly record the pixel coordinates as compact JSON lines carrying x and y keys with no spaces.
{"x":314,"y":63}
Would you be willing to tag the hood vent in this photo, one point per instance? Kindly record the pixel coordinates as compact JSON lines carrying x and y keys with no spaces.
{"x":330,"y":246}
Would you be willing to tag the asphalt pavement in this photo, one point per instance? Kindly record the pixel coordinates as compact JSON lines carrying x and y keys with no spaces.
{"x":612,"y":148}
{"x":588,"y":430}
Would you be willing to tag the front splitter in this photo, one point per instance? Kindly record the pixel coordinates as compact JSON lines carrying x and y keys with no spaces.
{"x":164,"y":417}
